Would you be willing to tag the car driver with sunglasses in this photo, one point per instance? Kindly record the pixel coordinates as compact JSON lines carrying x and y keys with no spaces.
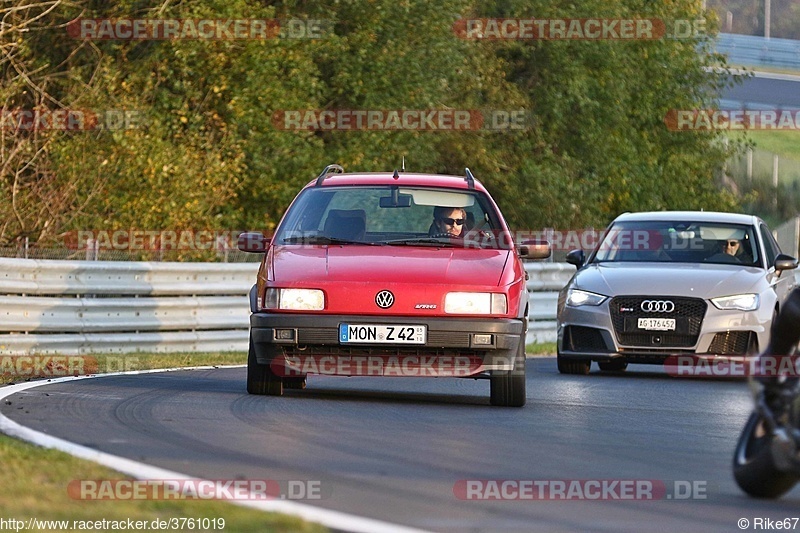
{"x":448,"y":221}
{"x":731,"y":246}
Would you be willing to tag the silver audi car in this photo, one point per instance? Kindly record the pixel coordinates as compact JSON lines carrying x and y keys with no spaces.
{"x":671,"y":283}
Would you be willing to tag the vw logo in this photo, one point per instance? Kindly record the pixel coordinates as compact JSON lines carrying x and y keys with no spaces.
{"x":384,"y":299}
{"x":658,"y":306}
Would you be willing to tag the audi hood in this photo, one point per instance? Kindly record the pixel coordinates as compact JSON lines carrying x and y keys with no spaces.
{"x":673,"y":279}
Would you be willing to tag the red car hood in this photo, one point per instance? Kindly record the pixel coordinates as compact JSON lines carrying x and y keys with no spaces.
{"x":296,"y":265}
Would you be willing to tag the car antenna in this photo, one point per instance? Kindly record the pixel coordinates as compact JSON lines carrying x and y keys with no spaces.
{"x":396,"y":175}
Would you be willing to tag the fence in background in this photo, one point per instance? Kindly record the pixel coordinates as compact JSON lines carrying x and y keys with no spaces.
{"x":788,"y":236}
{"x":93,"y":307}
{"x":756,"y":165}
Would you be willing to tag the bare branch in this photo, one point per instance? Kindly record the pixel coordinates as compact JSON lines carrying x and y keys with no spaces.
{"x":6,"y":12}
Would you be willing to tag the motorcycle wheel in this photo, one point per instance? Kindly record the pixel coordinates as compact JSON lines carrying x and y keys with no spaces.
{"x":753,"y":466}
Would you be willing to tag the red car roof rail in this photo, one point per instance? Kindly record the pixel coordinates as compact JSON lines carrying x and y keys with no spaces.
{"x":338,"y":169}
{"x":470,"y":179}
{"x":330,"y":169}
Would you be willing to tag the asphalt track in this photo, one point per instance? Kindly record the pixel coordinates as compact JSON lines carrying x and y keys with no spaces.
{"x":774,"y":91}
{"x":394,"y":449}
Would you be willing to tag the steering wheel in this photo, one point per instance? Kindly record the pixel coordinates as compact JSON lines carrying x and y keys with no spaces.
{"x":722,"y":257}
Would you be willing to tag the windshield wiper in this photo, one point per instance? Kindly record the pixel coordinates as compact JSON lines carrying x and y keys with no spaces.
{"x":322,"y":239}
{"x":434,"y":241}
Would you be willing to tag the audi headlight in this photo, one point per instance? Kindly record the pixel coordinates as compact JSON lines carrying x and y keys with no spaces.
{"x":577,"y":298}
{"x":295,"y":299}
{"x":739,"y":302}
{"x":475,"y":303}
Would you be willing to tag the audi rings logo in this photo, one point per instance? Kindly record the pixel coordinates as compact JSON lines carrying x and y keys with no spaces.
{"x":384,"y":299}
{"x":658,"y":306}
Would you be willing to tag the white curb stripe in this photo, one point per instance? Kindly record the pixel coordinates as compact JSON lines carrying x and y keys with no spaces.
{"x":332,"y":519}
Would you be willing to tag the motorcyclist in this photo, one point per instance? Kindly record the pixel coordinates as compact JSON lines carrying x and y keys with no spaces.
{"x":765,"y":460}
{"x":784,"y":339}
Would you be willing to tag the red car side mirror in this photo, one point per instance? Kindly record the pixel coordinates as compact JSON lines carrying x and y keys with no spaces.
{"x":253,"y":242}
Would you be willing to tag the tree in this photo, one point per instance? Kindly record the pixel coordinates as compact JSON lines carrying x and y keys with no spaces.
{"x":204,"y":151}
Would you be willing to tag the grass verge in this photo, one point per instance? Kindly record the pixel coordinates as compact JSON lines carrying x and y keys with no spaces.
{"x":540,"y":349}
{"x":35,"y":479}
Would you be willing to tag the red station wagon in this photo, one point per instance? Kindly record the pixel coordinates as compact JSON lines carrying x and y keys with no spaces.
{"x":390,"y":274}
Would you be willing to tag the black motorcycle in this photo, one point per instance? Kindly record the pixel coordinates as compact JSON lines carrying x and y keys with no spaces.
{"x":766,"y":463}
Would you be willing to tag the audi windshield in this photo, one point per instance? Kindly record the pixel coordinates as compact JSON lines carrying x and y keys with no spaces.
{"x":679,"y":242}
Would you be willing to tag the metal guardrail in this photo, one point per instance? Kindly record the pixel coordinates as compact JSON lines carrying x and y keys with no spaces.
{"x":103,"y":278}
{"x":85,"y":307}
{"x":89,"y":315}
{"x":759,"y":51}
{"x":546,"y":279}
{"x":93,"y":307}
{"x":124,"y":343}
{"x":542,"y":317}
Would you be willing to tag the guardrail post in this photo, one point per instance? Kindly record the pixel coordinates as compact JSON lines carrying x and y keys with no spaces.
{"x":775,"y":160}
{"x":92,"y":249}
{"x":767,"y":17}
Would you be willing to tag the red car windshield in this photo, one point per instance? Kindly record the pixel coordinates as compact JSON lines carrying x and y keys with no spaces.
{"x":373,"y":215}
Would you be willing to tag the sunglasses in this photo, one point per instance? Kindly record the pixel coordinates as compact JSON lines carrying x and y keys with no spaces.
{"x":453,"y":221}
{"x":732,"y":243}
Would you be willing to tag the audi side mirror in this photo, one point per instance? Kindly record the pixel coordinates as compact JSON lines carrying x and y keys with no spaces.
{"x":785,"y":262}
{"x":576,"y":257}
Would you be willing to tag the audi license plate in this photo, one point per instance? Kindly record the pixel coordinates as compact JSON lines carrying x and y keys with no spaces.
{"x":382,"y":334}
{"x":657,"y":324}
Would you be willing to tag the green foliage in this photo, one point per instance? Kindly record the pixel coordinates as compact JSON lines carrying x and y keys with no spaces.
{"x":206,"y":155}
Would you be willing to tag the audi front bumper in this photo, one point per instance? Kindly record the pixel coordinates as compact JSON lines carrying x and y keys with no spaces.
{"x":590,"y":333}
